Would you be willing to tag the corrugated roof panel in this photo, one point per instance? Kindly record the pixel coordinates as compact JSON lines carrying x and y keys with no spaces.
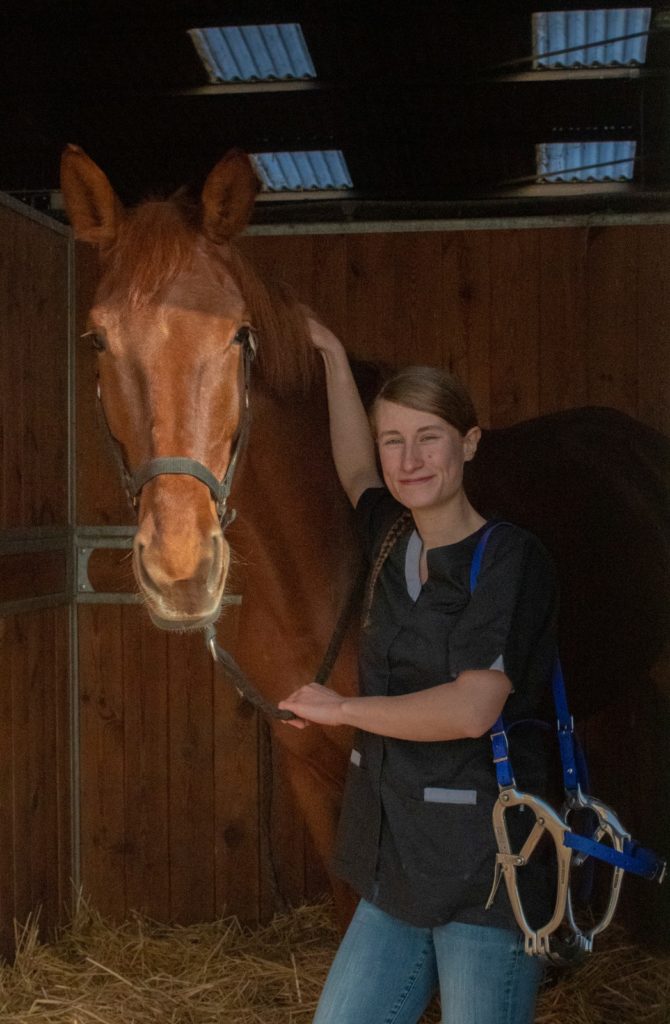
{"x":565,"y":39}
{"x":303,"y":170}
{"x":585,"y":161}
{"x":253,"y":53}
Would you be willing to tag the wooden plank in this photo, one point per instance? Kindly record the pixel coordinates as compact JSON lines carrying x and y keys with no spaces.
{"x":102,"y":767}
{"x":611,"y":342}
{"x":369,"y":268}
{"x":27,"y":698}
{"x":328,"y":284}
{"x":9,"y":633}
{"x":33,"y":325}
{"x":563,"y":319}
{"x":63,"y":763}
{"x":237,"y":843}
{"x":32,"y":574}
{"x":416,"y":329}
{"x":147,"y":770}
{"x":514,"y":326}
{"x":466,"y":300}
{"x":191,"y":788}
{"x":47,"y":799}
{"x":40,"y":793}
{"x":653,"y":326}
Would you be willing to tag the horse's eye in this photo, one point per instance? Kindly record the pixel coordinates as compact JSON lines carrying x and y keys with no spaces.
{"x":97,"y":340}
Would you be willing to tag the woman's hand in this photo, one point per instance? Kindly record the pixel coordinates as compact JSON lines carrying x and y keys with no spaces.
{"x":324,"y":340}
{"x":314,"y":703}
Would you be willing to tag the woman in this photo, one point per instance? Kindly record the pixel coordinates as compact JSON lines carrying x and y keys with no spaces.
{"x":438,"y":665}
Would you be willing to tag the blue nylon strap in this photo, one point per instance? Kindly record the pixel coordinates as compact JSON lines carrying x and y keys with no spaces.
{"x":572,"y":776}
{"x":633,"y":858}
{"x":503,"y":766}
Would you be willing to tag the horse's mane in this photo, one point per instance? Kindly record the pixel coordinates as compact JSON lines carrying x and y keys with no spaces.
{"x":287,"y":358}
{"x":158,"y":240}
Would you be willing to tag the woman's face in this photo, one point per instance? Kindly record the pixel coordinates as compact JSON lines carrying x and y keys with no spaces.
{"x":421,"y":455}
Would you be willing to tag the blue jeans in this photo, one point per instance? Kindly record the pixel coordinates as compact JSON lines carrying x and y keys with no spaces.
{"x":386,"y":971}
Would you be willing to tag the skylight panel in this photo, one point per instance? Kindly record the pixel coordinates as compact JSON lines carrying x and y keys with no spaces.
{"x":253,"y":53}
{"x":303,"y":170}
{"x":588,"y":39}
{"x":585,"y":161}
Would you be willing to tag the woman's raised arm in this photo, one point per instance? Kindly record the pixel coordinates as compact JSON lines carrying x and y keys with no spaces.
{"x":350,"y":438}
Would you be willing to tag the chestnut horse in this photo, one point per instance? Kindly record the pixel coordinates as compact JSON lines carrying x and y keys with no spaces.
{"x":172,"y":298}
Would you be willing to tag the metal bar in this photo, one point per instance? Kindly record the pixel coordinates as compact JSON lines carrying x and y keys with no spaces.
{"x":33,"y":604}
{"x":40,"y":539}
{"x":91,"y":534}
{"x":246,"y":87}
{"x":100,"y":597}
{"x":574,"y":74}
{"x":32,"y":214}
{"x":502,"y":223}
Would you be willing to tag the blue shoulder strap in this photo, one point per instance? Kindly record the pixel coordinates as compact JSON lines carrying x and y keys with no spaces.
{"x":572,"y":775}
{"x":503,"y":766}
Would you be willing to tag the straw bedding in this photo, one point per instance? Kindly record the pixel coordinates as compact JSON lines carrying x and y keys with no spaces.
{"x":222,"y":973}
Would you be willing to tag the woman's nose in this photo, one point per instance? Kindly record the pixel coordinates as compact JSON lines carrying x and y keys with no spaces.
{"x":411,"y":456}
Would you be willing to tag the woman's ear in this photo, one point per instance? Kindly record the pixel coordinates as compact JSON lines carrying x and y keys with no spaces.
{"x":470,"y":442}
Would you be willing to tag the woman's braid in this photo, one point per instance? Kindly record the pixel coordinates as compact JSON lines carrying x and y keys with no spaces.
{"x":401,"y":525}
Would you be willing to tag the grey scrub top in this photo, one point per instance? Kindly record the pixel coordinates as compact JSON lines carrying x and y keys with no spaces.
{"x":415,"y":834}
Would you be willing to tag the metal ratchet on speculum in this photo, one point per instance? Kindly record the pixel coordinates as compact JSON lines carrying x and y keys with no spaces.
{"x":537,"y":940}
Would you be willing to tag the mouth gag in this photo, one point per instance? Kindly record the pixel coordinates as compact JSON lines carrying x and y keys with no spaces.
{"x":561,"y":939}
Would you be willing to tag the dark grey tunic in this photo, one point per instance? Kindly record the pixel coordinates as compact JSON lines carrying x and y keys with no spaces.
{"x":415,"y":835}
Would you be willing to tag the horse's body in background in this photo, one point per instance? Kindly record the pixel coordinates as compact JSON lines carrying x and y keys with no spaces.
{"x":172,"y":294}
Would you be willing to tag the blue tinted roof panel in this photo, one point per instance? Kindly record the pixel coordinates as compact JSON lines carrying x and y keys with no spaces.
{"x":253,"y":53}
{"x":301,"y":171}
{"x":596,"y":38}
{"x":585,"y":161}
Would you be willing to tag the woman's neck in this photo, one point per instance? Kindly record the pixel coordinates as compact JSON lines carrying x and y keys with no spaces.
{"x":447,"y":524}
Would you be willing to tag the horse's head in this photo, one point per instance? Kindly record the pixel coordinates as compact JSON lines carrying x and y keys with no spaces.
{"x":168,"y":323}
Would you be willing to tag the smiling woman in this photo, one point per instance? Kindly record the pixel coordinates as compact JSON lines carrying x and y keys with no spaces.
{"x":438,"y":665}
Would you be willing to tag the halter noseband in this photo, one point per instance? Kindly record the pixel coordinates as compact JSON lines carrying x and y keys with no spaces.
{"x":182,"y":465}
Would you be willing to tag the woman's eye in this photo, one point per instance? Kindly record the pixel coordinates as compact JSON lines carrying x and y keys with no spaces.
{"x":391,"y":442}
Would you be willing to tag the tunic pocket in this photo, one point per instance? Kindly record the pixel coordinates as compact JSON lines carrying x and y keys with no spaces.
{"x":444,"y":844}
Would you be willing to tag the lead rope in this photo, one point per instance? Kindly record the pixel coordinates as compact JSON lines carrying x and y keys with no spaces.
{"x":246,"y":688}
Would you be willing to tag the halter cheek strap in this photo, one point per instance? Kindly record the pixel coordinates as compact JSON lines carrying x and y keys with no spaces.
{"x":183,"y":465}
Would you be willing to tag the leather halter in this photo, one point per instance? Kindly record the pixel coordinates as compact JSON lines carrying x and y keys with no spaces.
{"x":183,"y":465}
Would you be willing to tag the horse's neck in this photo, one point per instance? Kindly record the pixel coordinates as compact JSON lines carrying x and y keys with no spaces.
{"x":296,"y":540}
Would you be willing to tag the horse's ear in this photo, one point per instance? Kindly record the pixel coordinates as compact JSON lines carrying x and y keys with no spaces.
{"x":228,"y":196}
{"x":92,"y":206}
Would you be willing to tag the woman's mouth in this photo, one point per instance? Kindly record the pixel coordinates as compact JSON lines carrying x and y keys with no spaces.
{"x":415,"y":480}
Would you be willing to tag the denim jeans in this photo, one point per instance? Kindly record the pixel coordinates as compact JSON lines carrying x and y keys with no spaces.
{"x":386,"y":971}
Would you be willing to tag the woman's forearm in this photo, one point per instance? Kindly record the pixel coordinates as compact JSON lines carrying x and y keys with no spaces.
{"x":351,"y":441}
{"x":464,"y":709}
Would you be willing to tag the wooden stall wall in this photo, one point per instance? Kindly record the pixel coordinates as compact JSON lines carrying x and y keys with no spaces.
{"x":180,"y":808}
{"x":35,"y":854}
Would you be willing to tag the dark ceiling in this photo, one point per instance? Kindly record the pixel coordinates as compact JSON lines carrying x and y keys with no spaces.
{"x":430,"y":101}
